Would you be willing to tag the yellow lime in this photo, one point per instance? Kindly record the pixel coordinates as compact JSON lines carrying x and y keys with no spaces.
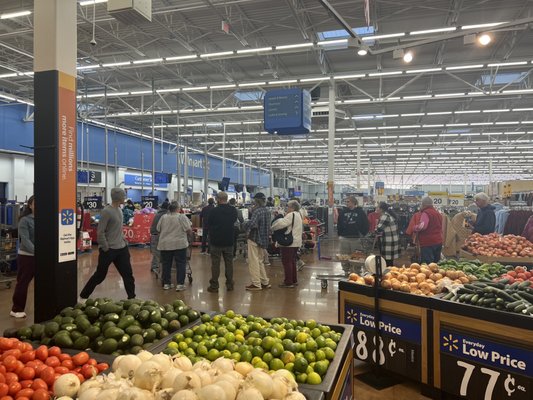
{"x":313,"y":379}
{"x":172,"y":345}
{"x":236,"y":356}
{"x":230,"y":314}
{"x":301,"y":337}
{"x":256,"y":360}
{"x":239,"y":338}
{"x":225,"y":353}
{"x":301,"y":378}
{"x":183,"y":346}
{"x":320,"y":355}
{"x":262,"y":365}
{"x":310,"y":323}
{"x":288,"y":357}
{"x":289,"y":367}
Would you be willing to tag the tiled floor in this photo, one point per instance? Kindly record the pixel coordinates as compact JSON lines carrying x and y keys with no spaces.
{"x":308,"y":300}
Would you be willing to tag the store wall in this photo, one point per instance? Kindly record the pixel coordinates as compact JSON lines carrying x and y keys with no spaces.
{"x":17,"y":172}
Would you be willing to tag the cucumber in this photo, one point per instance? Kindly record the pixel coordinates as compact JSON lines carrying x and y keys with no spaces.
{"x":529,"y":310}
{"x":449,"y":296}
{"x":474,"y":299}
{"x":504,"y":295}
{"x":526,"y":296}
{"x":520,"y":308}
{"x":524,"y":284}
{"x":514,"y":304}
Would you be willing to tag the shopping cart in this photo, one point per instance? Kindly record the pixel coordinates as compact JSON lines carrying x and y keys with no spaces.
{"x":8,"y":253}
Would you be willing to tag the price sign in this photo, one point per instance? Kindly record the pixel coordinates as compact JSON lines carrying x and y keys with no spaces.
{"x":478,"y":368}
{"x":456,"y":200}
{"x":149,"y":201}
{"x":92,"y":202}
{"x":398,"y":348}
{"x":439,"y":198}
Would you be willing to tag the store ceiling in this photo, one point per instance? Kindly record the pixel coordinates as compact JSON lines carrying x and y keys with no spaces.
{"x":439,"y":119}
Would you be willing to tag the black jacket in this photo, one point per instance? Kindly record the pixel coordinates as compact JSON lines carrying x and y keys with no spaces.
{"x":221,"y":225}
{"x":204,"y":215}
{"x":352,"y":223}
{"x":485,"y":220}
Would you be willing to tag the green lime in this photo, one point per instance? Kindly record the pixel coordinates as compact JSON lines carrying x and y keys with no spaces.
{"x":183,"y":346}
{"x":188,"y":340}
{"x":324,"y":328}
{"x":193,"y":346}
{"x":301,"y":378}
{"x":210,"y":330}
{"x":216,"y":319}
{"x":230,"y":337}
{"x":320,"y":341}
{"x":330,"y":353}
{"x":262,"y":365}
{"x":321,"y":367}
{"x":288,"y":357}
{"x":220,"y":343}
{"x":197,"y":338}
{"x":331,"y":344}
{"x":236,"y":356}
{"x":188,"y":333}
{"x":172,"y":345}
{"x":301,"y":337}
{"x":272,"y":332}
{"x":277,"y":349}
{"x":300,"y":323}
{"x":290,"y":334}
{"x":225,"y":320}
{"x":310,"y":356}
{"x":289,"y":367}
{"x":225,"y":353}
{"x":213,"y":354}
{"x":243,"y":348}
{"x":276,"y":364}
{"x":300,"y":364}
{"x":205,"y":318}
{"x":201,"y":329}
{"x":232,"y":347}
{"x":178,"y":337}
{"x":189,"y":352}
{"x":267,"y":357}
{"x":246,"y":356}
{"x":221,"y":331}
{"x":309,"y":370}
{"x":320,"y":355}
{"x":230,"y":314}
{"x":239,"y":338}
{"x":202,"y":350}
{"x":258,"y":351}
{"x":268,"y":342}
{"x":311,"y":345}
{"x":310,"y":323}
{"x":315,"y":333}
{"x":256,"y":360}
{"x":313,"y":379}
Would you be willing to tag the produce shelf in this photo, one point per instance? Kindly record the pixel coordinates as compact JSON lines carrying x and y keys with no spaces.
{"x":522,"y":261}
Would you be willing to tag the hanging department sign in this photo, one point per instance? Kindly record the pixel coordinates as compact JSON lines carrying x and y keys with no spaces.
{"x":67,"y":168}
{"x":287,"y":111}
{"x":440,"y":199}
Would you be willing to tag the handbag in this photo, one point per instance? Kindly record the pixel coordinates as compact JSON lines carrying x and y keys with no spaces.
{"x":282,"y":237}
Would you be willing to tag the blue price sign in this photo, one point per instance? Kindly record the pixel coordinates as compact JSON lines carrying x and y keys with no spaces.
{"x":287,"y":111}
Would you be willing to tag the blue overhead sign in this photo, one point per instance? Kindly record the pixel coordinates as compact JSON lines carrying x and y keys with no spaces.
{"x":138,"y":180}
{"x":287,"y":111}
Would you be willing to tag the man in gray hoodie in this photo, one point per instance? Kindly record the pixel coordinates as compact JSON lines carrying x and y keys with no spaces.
{"x":113,"y":248}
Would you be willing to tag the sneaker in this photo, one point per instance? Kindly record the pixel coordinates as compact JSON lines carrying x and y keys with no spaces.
{"x":267,"y":264}
{"x":300,"y":265}
{"x":180,"y":288}
{"x":253,"y":287}
{"x":212,"y":289}
{"x":167,"y":286}
{"x":267,"y":286}
{"x":81,"y":300}
{"x":285,"y":285}
{"x":20,"y":314}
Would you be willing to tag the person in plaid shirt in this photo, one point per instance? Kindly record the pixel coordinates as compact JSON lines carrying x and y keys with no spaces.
{"x":258,"y":234}
{"x":390,"y":236}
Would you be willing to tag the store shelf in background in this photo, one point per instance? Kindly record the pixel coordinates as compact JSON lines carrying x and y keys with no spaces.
{"x":523,"y":261}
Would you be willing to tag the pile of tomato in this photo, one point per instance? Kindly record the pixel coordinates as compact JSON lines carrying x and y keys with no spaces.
{"x":27,"y":373}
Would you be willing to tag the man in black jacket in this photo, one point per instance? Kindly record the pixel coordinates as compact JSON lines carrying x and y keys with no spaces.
{"x":221,"y":238}
{"x":486,"y":218}
{"x":352,"y":225}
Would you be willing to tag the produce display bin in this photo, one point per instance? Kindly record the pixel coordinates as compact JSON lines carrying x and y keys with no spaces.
{"x":403,"y":329}
{"x":522,"y":261}
{"x":312,"y":394}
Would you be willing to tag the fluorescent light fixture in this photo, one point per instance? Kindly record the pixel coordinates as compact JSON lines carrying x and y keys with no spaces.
{"x":168,"y":90}
{"x":147,"y":61}
{"x":82,"y":67}
{"x":522,"y":109}
{"x":438,"y":30}
{"x":385,"y":73}
{"x":15,"y":14}
{"x":355,"y":101}
{"x":347,"y":76}
{"x":418,"y":71}
{"x":188,"y":89}
{"x":517,"y":91}
{"x":362,"y":52}
{"x":464,"y":67}
{"x":487,"y":25}
{"x":497,"y":110}
{"x":256,"y":50}
{"x":294,"y":46}
{"x":314,"y":79}
{"x":11,"y":75}
{"x":118,"y":94}
{"x":232,"y":85}
{"x":413,"y":115}
{"x":282,"y":82}
{"x":484,"y":39}
{"x":387,"y":36}
{"x":141,"y":92}
{"x":251,"y":84}
{"x":179,"y":58}
{"x":439,"y":113}
{"x":3,"y":96}
{"x":116,"y":64}
{"x":91,"y":2}
{"x":330,"y":42}
{"x":449,"y":94}
{"x":507,"y":64}
{"x":420,"y":96}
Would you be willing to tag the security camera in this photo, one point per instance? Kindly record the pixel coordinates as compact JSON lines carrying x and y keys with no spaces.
{"x":93,"y":42}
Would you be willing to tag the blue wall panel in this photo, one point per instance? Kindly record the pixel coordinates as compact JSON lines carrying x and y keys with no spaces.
{"x":14,"y":132}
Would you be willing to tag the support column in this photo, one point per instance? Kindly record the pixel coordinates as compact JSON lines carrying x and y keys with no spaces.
{"x":359,"y":163}
{"x":55,"y":50}
{"x":331,"y":156}
{"x":490,"y":178}
{"x":106,"y":178}
{"x":185,"y":173}
{"x":206,"y":174}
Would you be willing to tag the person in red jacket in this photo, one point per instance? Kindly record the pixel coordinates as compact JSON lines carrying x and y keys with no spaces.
{"x":429,"y":232}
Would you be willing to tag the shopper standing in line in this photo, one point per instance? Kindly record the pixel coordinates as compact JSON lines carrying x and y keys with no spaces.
{"x":352,"y":225}
{"x":112,"y":247}
{"x":258,"y":234}
{"x":25,"y":259}
{"x":174,"y":229}
{"x":292,"y":221}
{"x":204,"y":219}
{"x":390,"y":235}
{"x":154,"y":236}
{"x":486,"y":218}
{"x":237,"y":225}
{"x":429,"y":231}
{"x":221,"y":239}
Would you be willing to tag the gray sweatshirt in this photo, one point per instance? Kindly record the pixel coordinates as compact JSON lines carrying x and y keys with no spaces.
{"x":110,"y":234}
{"x":26,"y":230}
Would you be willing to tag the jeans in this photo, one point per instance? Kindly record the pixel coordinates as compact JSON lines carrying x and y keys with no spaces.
{"x":121,"y":259}
{"x":288,"y":259}
{"x":25,"y":274}
{"x":430,"y":254}
{"x":255,"y":264}
{"x":167,"y":256}
{"x":216,"y":254}
{"x":156,"y":254}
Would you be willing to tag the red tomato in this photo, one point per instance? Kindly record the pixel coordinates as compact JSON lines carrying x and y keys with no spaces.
{"x":54,"y":351}
{"x":26,"y":384}
{"x":68,"y":364}
{"x":88,"y":371}
{"x":13,"y":352}
{"x":6,"y":343}
{"x":4,"y":389}
{"x":6,"y":398}
{"x":80,"y":358}
{"x":41,"y":394}
{"x":80,"y":377}
{"x":2,"y":369}
{"x":92,"y":361}
{"x":42,"y":353}
{"x":31,"y":364}
{"x":61,"y":370}
{"x":77,"y":370}
{"x":20,"y":345}
{"x":28,"y":392}
{"x":48,"y":375}
{"x":20,"y":366}
{"x":64,"y":356}
{"x":27,"y":373}
{"x":14,"y":388}
{"x":53,"y":361}
{"x":39,"y":369}
{"x":2,"y":378}
{"x":10,"y":363}
{"x":102,"y":367}
{"x":27,"y":356}
{"x":22,"y":398}
{"x":39,"y":384}
{"x":11,"y":377}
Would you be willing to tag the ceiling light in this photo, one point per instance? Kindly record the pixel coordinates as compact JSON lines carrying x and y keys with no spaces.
{"x":464,"y":67}
{"x":362,"y":52}
{"x":449,"y":29}
{"x":489,"y":25}
{"x":255,"y":50}
{"x":484,"y":39}
{"x":408,"y":56}
{"x":147,"y":61}
{"x":177,"y":58}
{"x":217,"y":54}
{"x":294,"y":46}
{"x":91,"y":2}
{"x":391,"y":35}
{"x":15,"y":14}
{"x":116,"y":64}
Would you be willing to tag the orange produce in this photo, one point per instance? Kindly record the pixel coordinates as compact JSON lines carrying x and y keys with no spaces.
{"x":495,"y":245}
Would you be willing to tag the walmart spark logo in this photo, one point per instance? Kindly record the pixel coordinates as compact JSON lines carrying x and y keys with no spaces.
{"x":351,"y":316}
{"x":67,"y":216}
{"x":450,"y":343}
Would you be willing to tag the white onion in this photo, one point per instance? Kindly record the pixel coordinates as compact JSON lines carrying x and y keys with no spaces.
{"x":67,"y":385}
{"x":229,"y":389}
{"x":108,"y":394}
{"x":148,"y":375}
{"x":280,"y":387}
{"x":205,"y":377}
{"x":89,"y":394}
{"x":182,"y":363}
{"x":116,"y":361}
{"x":165,"y":394}
{"x":163,"y":360}
{"x":288,"y":375}
{"x":89,"y":384}
{"x":64,"y":398}
{"x":211,"y":392}
{"x":250,"y":394}
{"x":223,"y":364}
{"x":231,"y":379}
{"x":260,"y":380}
{"x":127,"y":366}
{"x":244,"y":368}
{"x":203,"y":365}
{"x":144,"y":355}
{"x":133,"y":393}
{"x":295,"y":396}
{"x":169,"y":377}
{"x":185,"y":395}
{"x":187,"y":380}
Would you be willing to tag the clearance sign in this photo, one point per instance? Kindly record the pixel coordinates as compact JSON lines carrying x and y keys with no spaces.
{"x":67,"y":167}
